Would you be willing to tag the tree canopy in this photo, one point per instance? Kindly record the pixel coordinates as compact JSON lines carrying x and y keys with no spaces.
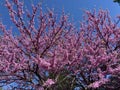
{"x":50,"y":53}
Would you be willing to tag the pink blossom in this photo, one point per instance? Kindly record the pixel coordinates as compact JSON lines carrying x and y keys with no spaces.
{"x":49,"y":82}
{"x":44,"y":63}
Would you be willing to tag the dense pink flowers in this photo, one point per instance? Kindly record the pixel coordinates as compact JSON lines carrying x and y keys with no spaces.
{"x":52,"y":54}
{"x":97,"y":84}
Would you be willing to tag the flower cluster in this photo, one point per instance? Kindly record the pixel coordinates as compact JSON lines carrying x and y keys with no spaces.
{"x":50,"y":53}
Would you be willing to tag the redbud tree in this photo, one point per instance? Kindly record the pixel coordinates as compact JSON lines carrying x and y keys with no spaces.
{"x":50,"y":53}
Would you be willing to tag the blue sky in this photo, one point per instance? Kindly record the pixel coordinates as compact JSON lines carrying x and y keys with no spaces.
{"x":73,"y":7}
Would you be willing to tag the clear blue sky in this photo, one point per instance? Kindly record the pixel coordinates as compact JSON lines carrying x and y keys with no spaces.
{"x":73,"y":7}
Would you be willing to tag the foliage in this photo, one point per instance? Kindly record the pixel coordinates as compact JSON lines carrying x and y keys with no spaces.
{"x":50,"y":54}
{"x":117,"y":1}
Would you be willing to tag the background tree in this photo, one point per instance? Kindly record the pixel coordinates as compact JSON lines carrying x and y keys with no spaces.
{"x":118,"y":1}
{"x":50,"y":54}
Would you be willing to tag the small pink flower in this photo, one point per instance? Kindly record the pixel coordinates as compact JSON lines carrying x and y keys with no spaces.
{"x":44,"y":63}
{"x":49,"y":82}
{"x":95,"y":85}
